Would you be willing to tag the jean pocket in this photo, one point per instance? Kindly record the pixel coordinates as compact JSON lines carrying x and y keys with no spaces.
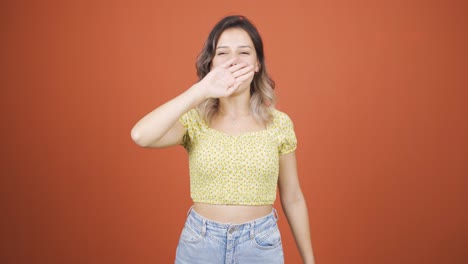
{"x":268,"y":239}
{"x":191,"y":235}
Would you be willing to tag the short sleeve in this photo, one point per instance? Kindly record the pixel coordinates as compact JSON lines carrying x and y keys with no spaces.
{"x":190,"y":121}
{"x":286,"y":135}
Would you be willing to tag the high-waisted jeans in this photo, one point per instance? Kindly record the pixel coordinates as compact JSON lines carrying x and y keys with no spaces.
{"x":204,"y":241}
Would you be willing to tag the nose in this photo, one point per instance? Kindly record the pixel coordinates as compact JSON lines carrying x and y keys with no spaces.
{"x":236,"y":59}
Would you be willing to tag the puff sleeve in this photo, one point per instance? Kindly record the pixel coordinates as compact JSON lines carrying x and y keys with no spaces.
{"x":190,"y":121}
{"x":286,"y":136}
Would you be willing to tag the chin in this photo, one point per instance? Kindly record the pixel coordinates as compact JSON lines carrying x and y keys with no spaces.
{"x":241,"y":91}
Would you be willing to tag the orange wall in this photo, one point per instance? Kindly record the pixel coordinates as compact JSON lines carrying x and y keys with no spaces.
{"x":377,"y":92}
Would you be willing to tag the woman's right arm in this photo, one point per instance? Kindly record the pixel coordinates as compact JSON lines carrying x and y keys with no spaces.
{"x":161,"y":127}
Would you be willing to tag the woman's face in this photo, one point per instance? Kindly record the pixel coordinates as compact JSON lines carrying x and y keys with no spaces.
{"x":235,"y":42}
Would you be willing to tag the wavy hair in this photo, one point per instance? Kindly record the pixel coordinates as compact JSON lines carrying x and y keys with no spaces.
{"x":262,"y":97}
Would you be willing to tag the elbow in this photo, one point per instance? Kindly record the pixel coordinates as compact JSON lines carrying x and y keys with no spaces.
{"x":137,"y":138}
{"x":292,"y":198}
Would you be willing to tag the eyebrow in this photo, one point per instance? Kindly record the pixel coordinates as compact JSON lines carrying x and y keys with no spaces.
{"x":242,"y":46}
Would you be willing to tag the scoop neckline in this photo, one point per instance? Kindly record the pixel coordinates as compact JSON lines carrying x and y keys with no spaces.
{"x":251,"y":133}
{"x":238,"y":135}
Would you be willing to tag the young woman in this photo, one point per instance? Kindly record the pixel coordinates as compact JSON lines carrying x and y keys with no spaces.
{"x":240,"y":149}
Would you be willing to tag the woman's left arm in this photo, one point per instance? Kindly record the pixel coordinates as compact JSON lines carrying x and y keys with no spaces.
{"x":294,"y":206}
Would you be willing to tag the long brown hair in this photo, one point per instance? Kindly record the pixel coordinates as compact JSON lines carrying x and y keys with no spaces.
{"x":262,"y":97}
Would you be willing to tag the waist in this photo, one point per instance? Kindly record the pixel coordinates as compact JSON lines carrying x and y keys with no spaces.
{"x":196,"y":219}
{"x":233,"y":214}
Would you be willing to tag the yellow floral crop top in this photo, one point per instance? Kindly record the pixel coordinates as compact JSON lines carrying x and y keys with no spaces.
{"x":241,"y":169}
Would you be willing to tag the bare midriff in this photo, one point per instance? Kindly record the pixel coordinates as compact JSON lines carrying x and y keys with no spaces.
{"x":234,"y":214}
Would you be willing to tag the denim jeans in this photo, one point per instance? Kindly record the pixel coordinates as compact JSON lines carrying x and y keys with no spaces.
{"x":208,"y":242}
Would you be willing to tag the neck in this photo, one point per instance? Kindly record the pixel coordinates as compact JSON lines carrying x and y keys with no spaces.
{"x":236,"y":106}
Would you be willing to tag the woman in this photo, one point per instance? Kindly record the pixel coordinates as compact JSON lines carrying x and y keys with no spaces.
{"x":240,"y":149}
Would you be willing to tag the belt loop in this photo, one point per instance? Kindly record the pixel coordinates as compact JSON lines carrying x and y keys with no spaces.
{"x":275,"y":214}
{"x":203,"y":232}
{"x":252,"y":230}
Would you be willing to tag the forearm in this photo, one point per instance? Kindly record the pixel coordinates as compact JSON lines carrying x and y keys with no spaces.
{"x":155,"y":124}
{"x":297,"y":215}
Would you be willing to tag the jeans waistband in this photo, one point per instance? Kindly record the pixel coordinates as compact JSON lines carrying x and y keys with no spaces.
{"x":252,"y":227}
{"x":191,"y":212}
{"x":223,"y":232}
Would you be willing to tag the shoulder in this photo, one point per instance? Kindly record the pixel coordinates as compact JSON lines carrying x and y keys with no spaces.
{"x":284,"y":132}
{"x":280,"y":118}
{"x":191,"y":117}
{"x":194,"y":112}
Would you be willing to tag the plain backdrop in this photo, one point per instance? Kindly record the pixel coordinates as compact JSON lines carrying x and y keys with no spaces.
{"x":376,"y":90}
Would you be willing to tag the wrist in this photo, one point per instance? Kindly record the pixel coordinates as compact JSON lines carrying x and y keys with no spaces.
{"x":197,"y":94}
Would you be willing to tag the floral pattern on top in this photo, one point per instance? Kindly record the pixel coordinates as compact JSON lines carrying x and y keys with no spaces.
{"x":236,"y":169}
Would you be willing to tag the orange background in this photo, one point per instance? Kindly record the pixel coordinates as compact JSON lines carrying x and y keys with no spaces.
{"x":376,"y":89}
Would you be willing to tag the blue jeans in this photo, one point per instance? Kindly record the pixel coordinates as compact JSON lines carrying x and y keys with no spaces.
{"x":208,"y":242}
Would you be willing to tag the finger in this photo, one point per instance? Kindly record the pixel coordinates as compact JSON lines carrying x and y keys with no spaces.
{"x":233,"y":88}
{"x":228,"y":63}
{"x":237,"y":67}
{"x":243,"y":71}
{"x":245,"y":76}
{"x":230,"y":81}
{"x":238,"y":82}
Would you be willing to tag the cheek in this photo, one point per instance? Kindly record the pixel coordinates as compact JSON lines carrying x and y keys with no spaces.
{"x":218,"y":61}
{"x":249,"y":60}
